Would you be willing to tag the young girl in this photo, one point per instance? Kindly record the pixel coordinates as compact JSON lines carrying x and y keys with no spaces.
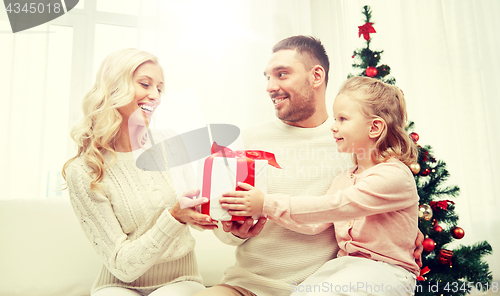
{"x":374,"y":205}
{"x":131,"y":215}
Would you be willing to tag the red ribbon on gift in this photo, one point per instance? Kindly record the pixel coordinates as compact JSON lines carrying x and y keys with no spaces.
{"x":443,"y":204}
{"x":245,"y":170}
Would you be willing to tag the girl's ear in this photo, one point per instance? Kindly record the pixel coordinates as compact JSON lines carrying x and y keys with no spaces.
{"x":376,"y":128}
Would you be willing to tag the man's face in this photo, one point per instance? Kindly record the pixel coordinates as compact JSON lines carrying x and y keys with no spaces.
{"x":290,"y":87}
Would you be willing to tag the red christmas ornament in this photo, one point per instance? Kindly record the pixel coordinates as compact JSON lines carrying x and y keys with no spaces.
{"x":365,"y":30}
{"x":445,"y":257}
{"x":425,"y":172}
{"x":457,"y":232}
{"x":415,"y":137}
{"x":437,"y":228}
{"x":371,"y":71}
{"x":429,"y":245}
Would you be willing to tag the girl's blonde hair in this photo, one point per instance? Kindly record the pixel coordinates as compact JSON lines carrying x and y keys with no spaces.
{"x":381,"y":100}
{"x":99,"y":128}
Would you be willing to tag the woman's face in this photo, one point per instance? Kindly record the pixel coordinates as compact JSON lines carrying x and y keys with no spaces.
{"x":148,"y":86}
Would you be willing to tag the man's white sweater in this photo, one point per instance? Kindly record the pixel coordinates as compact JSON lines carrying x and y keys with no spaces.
{"x":275,"y":261}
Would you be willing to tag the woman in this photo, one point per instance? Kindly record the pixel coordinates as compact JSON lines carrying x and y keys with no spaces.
{"x":132,"y":216}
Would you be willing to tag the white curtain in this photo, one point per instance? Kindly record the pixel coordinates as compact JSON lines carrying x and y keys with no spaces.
{"x":443,"y":55}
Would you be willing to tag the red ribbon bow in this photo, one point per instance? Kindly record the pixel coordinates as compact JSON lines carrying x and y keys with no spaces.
{"x":442,"y":205}
{"x":365,"y":30}
{"x":423,"y":272}
{"x":218,"y":151}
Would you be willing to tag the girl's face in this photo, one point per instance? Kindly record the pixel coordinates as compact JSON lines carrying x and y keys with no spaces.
{"x":148,"y":86}
{"x":351,"y":127}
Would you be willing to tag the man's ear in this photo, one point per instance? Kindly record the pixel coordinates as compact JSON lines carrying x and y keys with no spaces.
{"x":376,"y":128}
{"x":319,"y":76}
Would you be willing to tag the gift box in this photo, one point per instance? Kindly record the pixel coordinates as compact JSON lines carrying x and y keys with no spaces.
{"x":224,"y":169}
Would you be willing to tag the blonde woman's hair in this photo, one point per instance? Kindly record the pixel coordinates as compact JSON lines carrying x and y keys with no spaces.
{"x":381,"y":100}
{"x":99,"y":128}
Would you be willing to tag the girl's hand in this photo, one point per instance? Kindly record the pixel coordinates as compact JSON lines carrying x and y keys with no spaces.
{"x":243,"y":203}
{"x":191,"y":215}
{"x":419,"y":249}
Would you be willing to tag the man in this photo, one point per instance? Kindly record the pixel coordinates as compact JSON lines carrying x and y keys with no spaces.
{"x":276,"y":260}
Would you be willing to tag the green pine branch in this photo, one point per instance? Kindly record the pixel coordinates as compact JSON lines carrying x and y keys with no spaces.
{"x":410,"y":127}
{"x":467,"y":263}
{"x":367,"y":12}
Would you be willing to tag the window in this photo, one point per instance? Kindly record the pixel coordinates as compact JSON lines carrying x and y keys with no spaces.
{"x":48,"y":69}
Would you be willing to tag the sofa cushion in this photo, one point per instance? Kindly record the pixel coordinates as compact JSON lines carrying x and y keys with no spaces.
{"x":43,"y":250}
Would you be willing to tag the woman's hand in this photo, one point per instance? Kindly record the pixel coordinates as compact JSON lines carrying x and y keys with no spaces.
{"x":188,"y":214}
{"x":243,"y":203}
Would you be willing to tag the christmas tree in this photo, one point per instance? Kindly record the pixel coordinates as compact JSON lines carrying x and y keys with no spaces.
{"x":444,"y":271}
{"x":368,"y":58}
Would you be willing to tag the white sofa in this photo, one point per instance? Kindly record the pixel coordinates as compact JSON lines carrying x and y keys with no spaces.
{"x":43,"y":251}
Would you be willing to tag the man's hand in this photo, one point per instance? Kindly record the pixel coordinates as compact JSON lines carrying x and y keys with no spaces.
{"x":420,"y":248}
{"x":246,"y":229}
